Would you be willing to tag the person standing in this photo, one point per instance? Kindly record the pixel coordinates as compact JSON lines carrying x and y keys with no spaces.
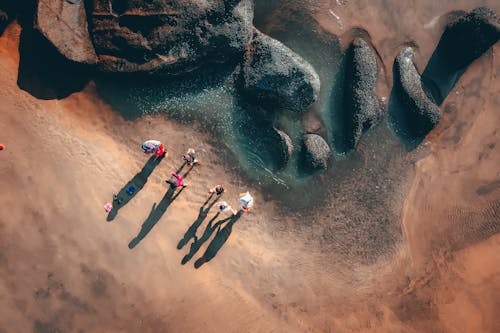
{"x":224,"y":208}
{"x":218,"y":190}
{"x":246,"y":202}
{"x":190,"y":157}
{"x":154,"y":147}
{"x":175,"y":181}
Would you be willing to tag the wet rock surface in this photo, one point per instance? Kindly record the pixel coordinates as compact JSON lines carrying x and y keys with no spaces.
{"x":316,"y":152}
{"x":168,"y":37}
{"x":64,"y":25}
{"x":421,"y":113}
{"x":286,"y":147}
{"x":276,"y":77}
{"x":469,"y":36}
{"x":362,"y":109}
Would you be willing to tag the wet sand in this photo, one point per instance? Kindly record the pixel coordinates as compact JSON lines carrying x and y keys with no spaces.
{"x":64,"y":268}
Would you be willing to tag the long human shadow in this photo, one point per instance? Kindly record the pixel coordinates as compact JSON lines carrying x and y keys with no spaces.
{"x":202,"y":215}
{"x":133,"y":187}
{"x":198,"y":242}
{"x":155,"y":215}
{"x":219,"y":240}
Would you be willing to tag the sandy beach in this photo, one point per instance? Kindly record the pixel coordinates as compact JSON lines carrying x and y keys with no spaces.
{"x":64,"y":268}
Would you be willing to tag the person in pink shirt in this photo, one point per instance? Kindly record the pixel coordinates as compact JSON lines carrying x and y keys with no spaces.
{"x":175,"y":181}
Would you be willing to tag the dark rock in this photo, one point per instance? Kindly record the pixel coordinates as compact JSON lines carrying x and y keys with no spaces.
{"x":467,"y":37}
{"x":276,"y":77}
{"x":285,"y":147}
{"x":362,"y":108}
{"x":4,"y":20}
{"x":421,"y":112}
{"x":169,"y":37}
{"x":64,"y":25}
{"x":8,"y":9}
{"x":316,"y":152}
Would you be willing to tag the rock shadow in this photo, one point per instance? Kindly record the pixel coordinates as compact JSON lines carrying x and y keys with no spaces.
{"x":155,"y":215}
{"x":44,"y":73}
{"x":466,"y":37}
{"x":218,"y":241}
{"x":133,"y":187}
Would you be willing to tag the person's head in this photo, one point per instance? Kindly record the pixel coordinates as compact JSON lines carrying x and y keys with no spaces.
{"x":172,"y":181}
{"x":222,"y":206}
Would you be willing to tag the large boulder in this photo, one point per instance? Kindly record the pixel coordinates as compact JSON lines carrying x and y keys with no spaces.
{"x":64,"y":25}
{"x":422,"y":113}
{"x":467,"y":37}
{"x":169,"y":37}
{"x":316,"y":152}
{"x":276,"y":77}
{"x":286,"y":148}
{"x":362,"y":108}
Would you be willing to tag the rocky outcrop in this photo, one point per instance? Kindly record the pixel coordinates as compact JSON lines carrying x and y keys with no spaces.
{"x":422,"y":113}
{"x":155,"y":37}
{"x":286,"y":148}
{"x":4,"y":20}
{"x":362,"y":108}
{"x":467,"y":37}
{"x":276,"y":77}
{"x":169,"y":37}
{"x":64,"y":25}
{"x":8,"y":9}
{"x":316,"y":152}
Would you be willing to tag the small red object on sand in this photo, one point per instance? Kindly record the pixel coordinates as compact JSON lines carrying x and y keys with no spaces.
{"x":2,"y":147}
{"x":108,"y":207}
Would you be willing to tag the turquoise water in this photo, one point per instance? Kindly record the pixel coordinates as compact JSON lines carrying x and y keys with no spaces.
{"x":244,"y":132}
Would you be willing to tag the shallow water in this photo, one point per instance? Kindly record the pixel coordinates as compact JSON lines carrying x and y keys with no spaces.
{"x":244,"y":132}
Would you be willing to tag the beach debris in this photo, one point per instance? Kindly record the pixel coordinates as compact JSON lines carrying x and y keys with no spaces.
{"x":130,"y":190}
{"x":108,"y":207}
{"x":2,"y":147}
{"x":117,"y":199}
{"x":339,"y":21}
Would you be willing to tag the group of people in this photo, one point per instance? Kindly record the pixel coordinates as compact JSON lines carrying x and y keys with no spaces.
{"x":175,"y":181}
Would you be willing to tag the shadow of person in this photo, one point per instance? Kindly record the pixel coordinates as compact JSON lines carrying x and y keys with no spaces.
{"x":155,"y":215}
{"x":133,"y":187}
{"x":220,"y":238}
{"x":198,"y":242}
{"x":202,"y":215}
{"x":179,"y":170}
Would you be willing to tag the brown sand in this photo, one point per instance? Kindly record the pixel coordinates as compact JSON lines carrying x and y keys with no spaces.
{"x":63,"y":268}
